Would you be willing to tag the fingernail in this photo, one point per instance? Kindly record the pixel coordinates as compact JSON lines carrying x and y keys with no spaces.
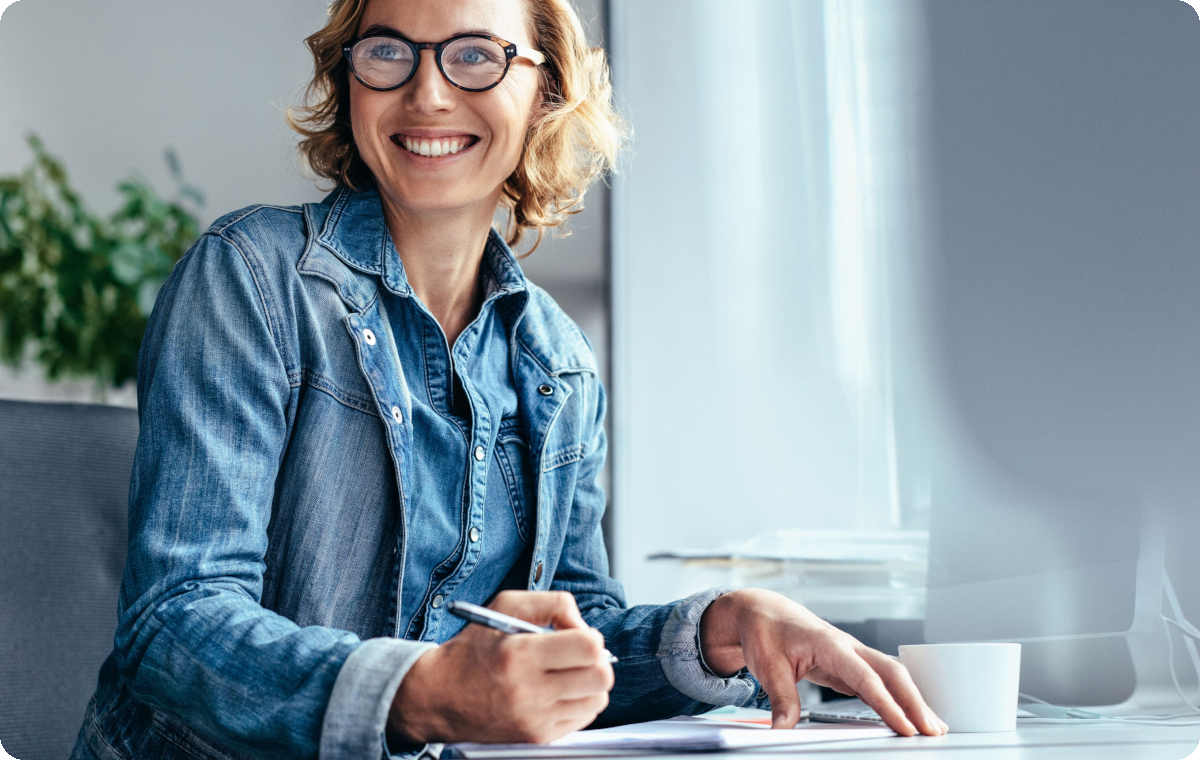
{"x":912,"y":730}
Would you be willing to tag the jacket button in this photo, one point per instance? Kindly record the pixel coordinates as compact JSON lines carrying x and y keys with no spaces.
{"x":545,"y":390}
{"x":396,"y":415}
{"x":437,"y":601}
{"x":369,"y":336}
{"x":537,"y":572}
{"x":474,"y":534}
{"x":479,"y":453}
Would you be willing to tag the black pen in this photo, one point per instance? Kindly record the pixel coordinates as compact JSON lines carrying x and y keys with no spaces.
{"x":498,"y":621}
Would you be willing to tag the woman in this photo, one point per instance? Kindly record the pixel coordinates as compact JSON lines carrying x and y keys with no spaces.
{"x":355,"y":411}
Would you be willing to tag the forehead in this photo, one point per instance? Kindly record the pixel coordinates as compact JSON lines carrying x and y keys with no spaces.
{"x":433,"y":20}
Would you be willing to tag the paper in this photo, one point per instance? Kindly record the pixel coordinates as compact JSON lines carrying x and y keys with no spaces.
{"x":682,"y":734}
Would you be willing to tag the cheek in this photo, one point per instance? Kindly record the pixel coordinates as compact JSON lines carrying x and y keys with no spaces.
{"x":364,"y":113}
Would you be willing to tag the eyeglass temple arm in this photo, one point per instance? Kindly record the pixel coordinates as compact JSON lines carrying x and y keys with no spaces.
{"x":536,"y":56}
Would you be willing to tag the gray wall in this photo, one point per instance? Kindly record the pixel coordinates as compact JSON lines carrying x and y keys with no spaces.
{"x":108,"y":86}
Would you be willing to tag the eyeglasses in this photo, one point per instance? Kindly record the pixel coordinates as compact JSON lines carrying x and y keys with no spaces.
{"x":472,"y":62}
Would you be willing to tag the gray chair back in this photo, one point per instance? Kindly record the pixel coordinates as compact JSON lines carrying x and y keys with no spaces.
{"x":64,"y":488}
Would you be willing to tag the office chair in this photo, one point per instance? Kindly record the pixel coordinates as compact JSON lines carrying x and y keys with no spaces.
{"x":64,"y":485}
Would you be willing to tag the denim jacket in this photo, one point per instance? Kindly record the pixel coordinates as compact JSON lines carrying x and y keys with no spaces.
{"x":258,"y":610}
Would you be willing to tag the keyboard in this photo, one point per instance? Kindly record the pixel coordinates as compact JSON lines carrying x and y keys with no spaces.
{"x":844,"y":711}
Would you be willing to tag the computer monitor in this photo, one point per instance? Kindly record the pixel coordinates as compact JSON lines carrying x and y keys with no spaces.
{"x":1057,"y":427}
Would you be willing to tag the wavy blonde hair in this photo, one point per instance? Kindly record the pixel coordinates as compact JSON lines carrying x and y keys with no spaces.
{"x":574,"y":138}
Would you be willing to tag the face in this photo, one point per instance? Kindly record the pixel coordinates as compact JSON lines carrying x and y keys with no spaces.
{"x":490,"y":125}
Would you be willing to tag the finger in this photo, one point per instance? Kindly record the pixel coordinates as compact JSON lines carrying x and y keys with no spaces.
{"x":832,"y":682}
{"x":867,"y":684}
{"x":779,"y":679}
{"x":551,"y":608}
{"x":577,"y":683}
{"x":560,"y":650}
{"x":899,"y":683}
{"x":580,"y":712}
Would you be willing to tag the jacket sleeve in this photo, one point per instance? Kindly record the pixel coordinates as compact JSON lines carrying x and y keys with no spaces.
{"x":192,"y":639}
{"x":659,"y":672}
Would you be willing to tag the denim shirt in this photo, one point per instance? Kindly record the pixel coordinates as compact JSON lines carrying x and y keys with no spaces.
{"x":273,"y":489}
{"x":468,"y":439}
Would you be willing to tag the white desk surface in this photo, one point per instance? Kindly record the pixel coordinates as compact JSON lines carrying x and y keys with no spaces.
{"x":1092,"y":741}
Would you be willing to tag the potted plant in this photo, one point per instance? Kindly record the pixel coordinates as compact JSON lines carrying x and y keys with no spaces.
{"x":76,"y":288}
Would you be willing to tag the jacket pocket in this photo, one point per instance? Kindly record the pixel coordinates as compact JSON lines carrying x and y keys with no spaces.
{"x":516,"y":465}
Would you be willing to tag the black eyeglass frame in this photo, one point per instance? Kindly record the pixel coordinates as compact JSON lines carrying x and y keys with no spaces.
{"x":511,"y":51}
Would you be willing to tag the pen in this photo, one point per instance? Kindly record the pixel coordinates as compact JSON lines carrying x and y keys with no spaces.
{"x":473,"y":613}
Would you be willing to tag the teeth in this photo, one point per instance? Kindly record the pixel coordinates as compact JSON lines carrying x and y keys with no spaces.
{"x":437,"y":147}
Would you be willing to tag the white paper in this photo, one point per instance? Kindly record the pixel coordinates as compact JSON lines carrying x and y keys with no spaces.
{"x":684,"y":734}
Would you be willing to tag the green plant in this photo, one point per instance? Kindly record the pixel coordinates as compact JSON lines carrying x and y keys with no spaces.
{"x":76,"y":289}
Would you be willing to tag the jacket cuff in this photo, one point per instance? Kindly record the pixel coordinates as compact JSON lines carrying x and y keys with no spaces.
{"x":355,"y":723}
{"x":682,"y":664}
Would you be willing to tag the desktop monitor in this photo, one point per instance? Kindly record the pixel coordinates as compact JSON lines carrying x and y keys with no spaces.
{"x":1055,"y":413}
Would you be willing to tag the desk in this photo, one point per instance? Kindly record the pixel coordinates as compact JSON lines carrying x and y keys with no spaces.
{"x":1101,"y":741}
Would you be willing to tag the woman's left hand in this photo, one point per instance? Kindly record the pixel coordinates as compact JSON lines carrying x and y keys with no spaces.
{"x":782,"y":642}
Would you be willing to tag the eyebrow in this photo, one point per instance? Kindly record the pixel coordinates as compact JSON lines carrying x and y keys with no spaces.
{"x":387,"y":30}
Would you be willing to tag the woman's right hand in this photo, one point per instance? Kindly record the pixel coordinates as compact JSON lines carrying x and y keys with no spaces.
{"x":486,"y":686}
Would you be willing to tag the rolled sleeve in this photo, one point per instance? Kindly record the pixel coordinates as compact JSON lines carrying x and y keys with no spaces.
{"x":355,"y":723}
{"x":684,"y":666}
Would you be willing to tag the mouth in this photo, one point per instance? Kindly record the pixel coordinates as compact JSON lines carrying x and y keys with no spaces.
{"x":438,"y":147}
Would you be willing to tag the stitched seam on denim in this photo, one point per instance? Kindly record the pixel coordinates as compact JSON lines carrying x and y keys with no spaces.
{"x":265,"y":302}
{"x":253,"y":210}
{"x":176,"y":737}
{"x":101,"y":737}
{"x":638,"y":659}
{"x":513,"y":497}
{"x":564,"y":457}
{"x":451,"y":418}
{"x":333,"y":392}
{"x":353,"y":400}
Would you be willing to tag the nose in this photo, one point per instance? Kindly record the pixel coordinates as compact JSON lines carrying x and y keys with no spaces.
{"x":428,"y":91}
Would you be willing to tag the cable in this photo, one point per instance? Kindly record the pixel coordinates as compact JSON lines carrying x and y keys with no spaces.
{"x":1191,"y":635}
{"x":1180,"y":621}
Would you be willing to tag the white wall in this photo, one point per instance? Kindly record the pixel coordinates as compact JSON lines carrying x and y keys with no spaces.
{"x":108,"y":86}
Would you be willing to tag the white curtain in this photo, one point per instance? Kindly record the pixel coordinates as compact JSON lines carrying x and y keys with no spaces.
{"x":763,"y":222}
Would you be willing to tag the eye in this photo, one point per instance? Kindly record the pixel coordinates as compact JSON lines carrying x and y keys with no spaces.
{"x":387,"y":50}
{"x":475,"y":55}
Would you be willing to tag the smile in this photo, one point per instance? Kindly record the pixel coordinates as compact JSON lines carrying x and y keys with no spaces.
{"x":435,"y":147}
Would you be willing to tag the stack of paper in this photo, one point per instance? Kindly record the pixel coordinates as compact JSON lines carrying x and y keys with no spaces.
{"x":683,"y":734}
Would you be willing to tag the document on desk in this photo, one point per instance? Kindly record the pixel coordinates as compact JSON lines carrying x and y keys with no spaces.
{"x":682,"y":734}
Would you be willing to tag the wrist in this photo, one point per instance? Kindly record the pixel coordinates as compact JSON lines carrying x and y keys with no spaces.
{"x":720,"y":640}
{"x":413,"y":717}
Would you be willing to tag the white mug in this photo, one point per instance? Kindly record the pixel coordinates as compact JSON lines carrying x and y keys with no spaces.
{"x":973,"y":687}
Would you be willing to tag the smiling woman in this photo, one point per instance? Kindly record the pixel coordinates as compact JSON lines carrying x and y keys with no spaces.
{"x":357,"y":411}
{"x":571,"y":133}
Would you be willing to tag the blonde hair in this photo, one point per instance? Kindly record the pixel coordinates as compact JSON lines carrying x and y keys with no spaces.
{"x":574,"y":138}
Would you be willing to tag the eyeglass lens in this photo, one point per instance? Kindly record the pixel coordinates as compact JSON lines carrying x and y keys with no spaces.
{"x":471,"y":62}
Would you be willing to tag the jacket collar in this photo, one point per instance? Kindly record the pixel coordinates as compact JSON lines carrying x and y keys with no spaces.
{"x":348,"y":244}
{"x":354,"y":230}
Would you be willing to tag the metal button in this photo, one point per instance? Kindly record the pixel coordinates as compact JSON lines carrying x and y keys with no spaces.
{"x":474,"y":535}
{"x":437,"y":601}
{"x":545,"y":390}
{"x":368,"y":336}
{"x":537,"y":572}
{"x":479,"y":453}
{"x":396,"y":415}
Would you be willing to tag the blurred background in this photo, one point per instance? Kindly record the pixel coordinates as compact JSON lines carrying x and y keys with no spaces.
{"x":864,"y":259}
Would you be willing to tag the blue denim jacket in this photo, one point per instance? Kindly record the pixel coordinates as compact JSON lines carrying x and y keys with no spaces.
{"x":258,"y":614}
